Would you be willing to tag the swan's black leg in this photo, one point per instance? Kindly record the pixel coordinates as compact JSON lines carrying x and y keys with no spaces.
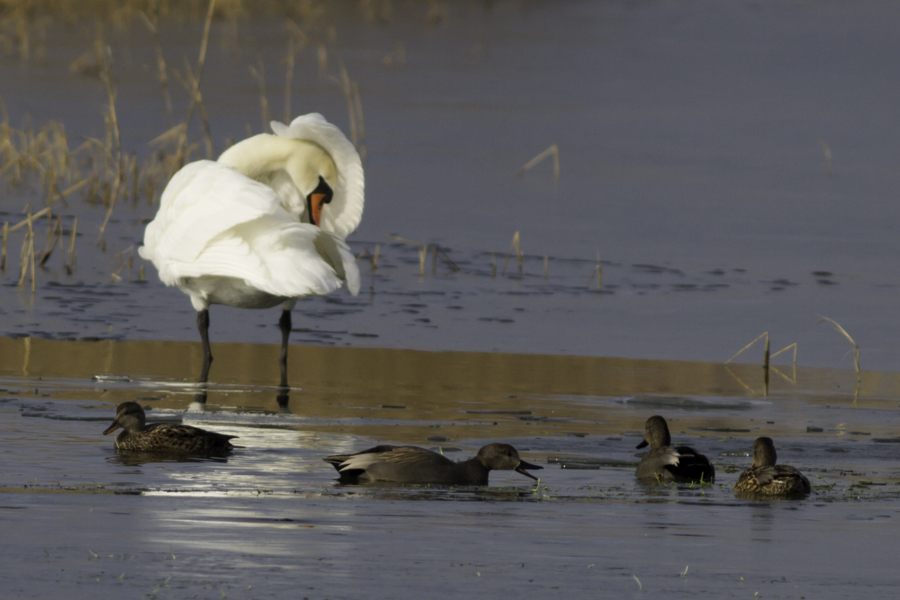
{"x":203,"y":326}
{"x":285,"y":324}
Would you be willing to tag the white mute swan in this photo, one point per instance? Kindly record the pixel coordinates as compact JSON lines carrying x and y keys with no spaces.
{"x":263,"y":225}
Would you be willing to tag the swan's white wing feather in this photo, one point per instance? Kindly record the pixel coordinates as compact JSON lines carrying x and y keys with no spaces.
{"x":203,"y":200}
{"x":335,"y":251}
{"x":345,"y":211}
{"x":213,"y":221}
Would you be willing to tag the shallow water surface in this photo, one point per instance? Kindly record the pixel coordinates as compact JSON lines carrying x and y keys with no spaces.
{"x":272,"y":514}
{"x":731,"y":167}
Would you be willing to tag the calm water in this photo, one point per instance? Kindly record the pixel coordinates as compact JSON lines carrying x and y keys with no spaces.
{"x":691,"y":152}
{"x":689,"y":161}
{"x":271,"y":516}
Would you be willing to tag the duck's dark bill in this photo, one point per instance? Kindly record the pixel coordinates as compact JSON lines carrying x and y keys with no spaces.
{"x":526,"y":465}
{"x":111,"y":428}
{"x":642,"y":444}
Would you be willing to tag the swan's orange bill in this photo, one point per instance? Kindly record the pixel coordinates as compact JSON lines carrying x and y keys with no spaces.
{"x":317,"y":202}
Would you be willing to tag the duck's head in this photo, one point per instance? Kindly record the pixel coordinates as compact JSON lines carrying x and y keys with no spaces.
{"x":764,"y":454}
{"x":656,"y":433}
{"x":129,"y":416}
{"x":503,"y":457}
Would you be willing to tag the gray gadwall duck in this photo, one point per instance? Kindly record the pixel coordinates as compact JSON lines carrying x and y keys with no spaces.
{"x":765,"y":478}
{"x":163,"y":437}
{"x":668,"y":463}
{"x":411,"y":464}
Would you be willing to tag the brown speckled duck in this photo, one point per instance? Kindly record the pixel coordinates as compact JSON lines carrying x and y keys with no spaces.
{"x":170,"y":438}
{"x":411,"y":464}
{"x":665,"y":463}
{"x":765,"y":478}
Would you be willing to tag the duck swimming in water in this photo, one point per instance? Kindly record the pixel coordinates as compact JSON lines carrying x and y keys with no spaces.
{"x":171,"y":438}
{"x":667,"y":463}
{"x":765,"y":478}
{"x":411,"y":464}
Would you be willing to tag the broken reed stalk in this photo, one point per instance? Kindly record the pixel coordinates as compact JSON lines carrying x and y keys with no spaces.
{"x":288,"y":78}
{"x":551,"y":151}
{"x":196,"y":98}
{"x":438,"y":251}
{"x":827,"y":150}
{"x":28,"y":254}
{"x":354,"y":110}
{"x":765,"y":357}
{"x":70,"y":259}
{"x":785,"y":349}
{"x":52,"y":238}
{"x":514,"y":247}
{"x":120,"y":174}
{"x":322,"y":59}
{"x":360,"y":123}
{"x":3,"y":250}
{"x":153,"y":26}
{"x":423,"y":252}
{"x":422,"y":249}
{"x":843,"y":332}
{"x":259,"y":74}
{"x":373,"y":258}
{"x":27,"y":222}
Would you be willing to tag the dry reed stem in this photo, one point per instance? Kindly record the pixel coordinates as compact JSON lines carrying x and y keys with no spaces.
{"x":27,"y":222}
{"x":422,"y":250}
{"x":67,"y":191}
{"x":192,"y":85}
{"x":52,"y":238}
{"x":360,"y":123}
{"x":827,"y":150}
{"x":70,"y":259}
{"x":750,"y":390}
{"x":438,"y":251}
{"x":28,"y":255}
{"x":3,"y":250}
{"x":375,"y":256}
{"x":546,"y":265}
{"x":322,"y":59}
{"x":551,"y":151}
{"x":347,"y":88}
{"x":785,"y":349}
{"x":288,"y":79}
{"x":514,"y":247}
{"x":196,"y":98}
{"x":153,"y":26}
{"x":849,"y":339}
{"x":398,"y":53}
{"x":785,"y":377}
{"x":259,"y":74}
{"x":761,"y":336}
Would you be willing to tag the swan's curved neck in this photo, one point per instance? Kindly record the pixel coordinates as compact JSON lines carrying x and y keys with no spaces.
{"x":262,"y":154}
